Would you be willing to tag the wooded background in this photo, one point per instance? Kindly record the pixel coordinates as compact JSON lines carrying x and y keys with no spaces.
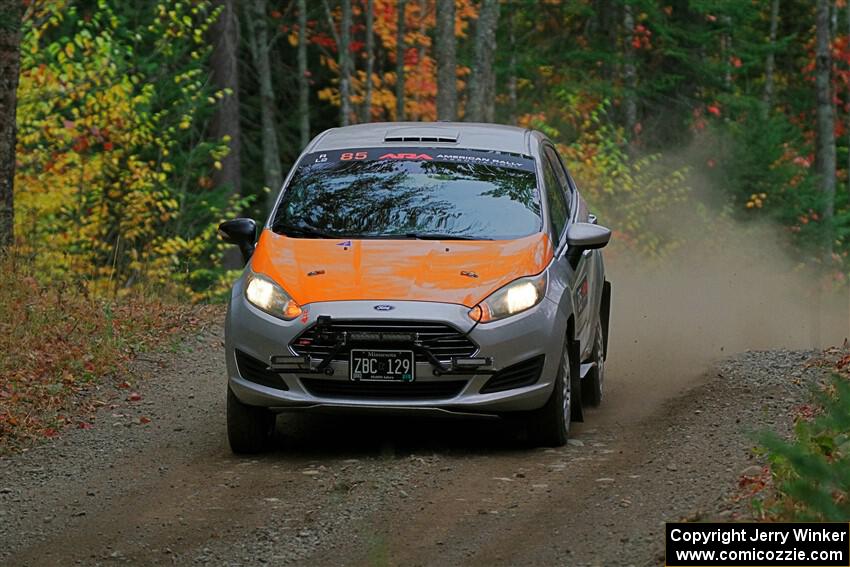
{"x":141,"y":125}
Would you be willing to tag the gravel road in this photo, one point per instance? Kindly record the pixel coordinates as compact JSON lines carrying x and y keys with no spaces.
{"x":153,"y":481}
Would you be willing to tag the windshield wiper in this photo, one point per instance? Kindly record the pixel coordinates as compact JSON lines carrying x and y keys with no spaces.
{"x":303,"y":230}
{"x":442,"y":236}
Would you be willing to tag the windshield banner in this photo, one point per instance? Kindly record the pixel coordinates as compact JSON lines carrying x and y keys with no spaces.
{"x":446,"y":155}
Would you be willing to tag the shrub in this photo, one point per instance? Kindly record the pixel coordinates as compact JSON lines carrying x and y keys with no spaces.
{"x":812,"y":471}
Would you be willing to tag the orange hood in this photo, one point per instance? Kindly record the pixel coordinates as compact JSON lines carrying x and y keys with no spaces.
{"x":384,"y":270}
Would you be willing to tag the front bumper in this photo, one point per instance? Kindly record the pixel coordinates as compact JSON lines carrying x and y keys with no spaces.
{"x":539,"y":331}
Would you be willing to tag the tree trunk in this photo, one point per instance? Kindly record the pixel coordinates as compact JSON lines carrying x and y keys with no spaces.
{"x":629,"y":72}
{"x":446,"y":61}
{"x":399,"y":61}
{"x":225,"y":76}
{"x":825,"y":117}
{"x":303,"y":76}
{"x":11,"y":12}
{"x":480,"y":103}
{"x":345,"y":64}
{"x":423,"y":12}
{"x":370,"y":60}
{"x":726,"y":52}
{"x":259,"y":42}
{"x":847,"y":117}
{"x":512,"y":80}
{"x":770,"y":64}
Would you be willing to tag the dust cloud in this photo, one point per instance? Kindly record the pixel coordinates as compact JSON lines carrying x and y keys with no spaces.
{"x":672,"y":319}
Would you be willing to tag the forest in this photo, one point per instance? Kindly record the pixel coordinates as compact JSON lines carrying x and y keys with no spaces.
{"x":141,"y":125}
{"x":130,"y":129}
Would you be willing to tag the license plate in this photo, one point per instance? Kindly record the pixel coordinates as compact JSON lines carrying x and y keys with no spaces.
{"x":382,"y":365}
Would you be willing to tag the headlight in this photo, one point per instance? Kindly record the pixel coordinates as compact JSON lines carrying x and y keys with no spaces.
{"x":265,"y":294}
{"x":516,"y":297}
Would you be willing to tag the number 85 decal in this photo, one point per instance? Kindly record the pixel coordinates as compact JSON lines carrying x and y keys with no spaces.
{"x":348,"y":156}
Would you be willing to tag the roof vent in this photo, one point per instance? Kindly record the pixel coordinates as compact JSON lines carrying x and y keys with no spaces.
{"x":426,"y":134}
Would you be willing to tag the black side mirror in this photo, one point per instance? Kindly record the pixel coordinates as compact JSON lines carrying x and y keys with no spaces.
{"x":583,"y":236}
{"x":241,"y":232}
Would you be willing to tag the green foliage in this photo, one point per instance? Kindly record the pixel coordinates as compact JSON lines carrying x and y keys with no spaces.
{"x":114,"y":181}
{"x":812,"y":471}
{"x":629,"y":193}
{"x":762,"y":164}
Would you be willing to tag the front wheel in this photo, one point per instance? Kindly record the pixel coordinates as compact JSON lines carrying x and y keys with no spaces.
{"x":550,"y":425}
{"x":249,"y":428}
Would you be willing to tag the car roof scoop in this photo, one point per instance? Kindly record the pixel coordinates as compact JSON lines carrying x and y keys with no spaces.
{"x":422,"y":134}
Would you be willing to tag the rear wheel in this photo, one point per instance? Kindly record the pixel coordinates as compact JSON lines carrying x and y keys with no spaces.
{"x":249,"y":428}
{"x":550,"y":425}
{"x":593,"y":383}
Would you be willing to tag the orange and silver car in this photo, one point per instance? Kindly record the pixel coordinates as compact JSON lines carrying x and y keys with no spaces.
{"x":444,"y":268}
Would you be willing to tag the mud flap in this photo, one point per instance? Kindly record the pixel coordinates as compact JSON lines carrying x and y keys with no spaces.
{"x":605,"y":315}
{"x":576,"y":413}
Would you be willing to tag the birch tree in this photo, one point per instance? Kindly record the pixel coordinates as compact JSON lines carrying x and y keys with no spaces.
{"x":259,"y":44}
{"x":825,"y":118}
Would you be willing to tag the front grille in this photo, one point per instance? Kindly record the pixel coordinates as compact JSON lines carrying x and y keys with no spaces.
{"x":258,"y":372}
{"x":383,"y":390}
{"x":524,"y":373}
{"x":443,"y":341}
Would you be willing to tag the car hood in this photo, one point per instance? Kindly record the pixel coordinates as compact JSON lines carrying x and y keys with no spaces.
{"x":448,"y":271}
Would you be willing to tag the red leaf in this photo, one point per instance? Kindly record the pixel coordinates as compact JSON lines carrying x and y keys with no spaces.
{"x":144,"y":420}
{"x":134,"y":397}
{"x":84,"y":425}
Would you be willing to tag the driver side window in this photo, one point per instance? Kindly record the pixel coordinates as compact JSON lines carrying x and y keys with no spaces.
{"x":558,"y":210}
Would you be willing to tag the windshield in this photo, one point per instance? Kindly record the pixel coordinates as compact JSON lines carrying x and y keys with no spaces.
{"x":411,"y":193}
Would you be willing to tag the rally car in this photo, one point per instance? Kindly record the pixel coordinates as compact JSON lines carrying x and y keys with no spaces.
{"x":444,"y":268}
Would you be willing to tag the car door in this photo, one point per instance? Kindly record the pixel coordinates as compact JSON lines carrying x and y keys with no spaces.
{"x":581,"y":277}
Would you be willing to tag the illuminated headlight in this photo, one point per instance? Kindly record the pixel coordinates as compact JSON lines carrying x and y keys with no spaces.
{"x":265,"y":294}
{"x":516,"y":297}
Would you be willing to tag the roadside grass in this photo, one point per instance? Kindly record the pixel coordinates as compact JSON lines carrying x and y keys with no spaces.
{"x":60,"y":347}
{"x":810,"y":472}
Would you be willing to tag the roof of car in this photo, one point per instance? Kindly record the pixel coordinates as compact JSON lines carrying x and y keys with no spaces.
{"x":467,"y":135}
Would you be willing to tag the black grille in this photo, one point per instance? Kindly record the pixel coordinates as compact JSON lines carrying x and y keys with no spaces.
{"x":258,"y":372}
{"x":523,"y":373}
{"x":443,"y":341}
{"x":383,"y":390}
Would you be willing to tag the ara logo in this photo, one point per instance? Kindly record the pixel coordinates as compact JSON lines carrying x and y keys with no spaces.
{"x":407,"y":156}
{"x":383,"y":307}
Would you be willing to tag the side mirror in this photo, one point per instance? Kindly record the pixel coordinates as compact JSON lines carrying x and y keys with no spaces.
{"x":241,"y":232}
{"x":583,"y":236}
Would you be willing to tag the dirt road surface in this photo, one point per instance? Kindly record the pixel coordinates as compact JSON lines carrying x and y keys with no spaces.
{"x":389,"y":491}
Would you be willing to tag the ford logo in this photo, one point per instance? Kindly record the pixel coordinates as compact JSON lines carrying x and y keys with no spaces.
{"x":383,"y":308}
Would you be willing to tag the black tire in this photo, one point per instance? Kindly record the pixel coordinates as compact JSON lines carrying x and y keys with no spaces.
{"x":591,"y":389}
{"x":249,"y":428}
{"x":549,"y":426}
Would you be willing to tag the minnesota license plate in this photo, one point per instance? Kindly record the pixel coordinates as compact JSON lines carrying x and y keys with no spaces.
{"x":382,"y":365}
